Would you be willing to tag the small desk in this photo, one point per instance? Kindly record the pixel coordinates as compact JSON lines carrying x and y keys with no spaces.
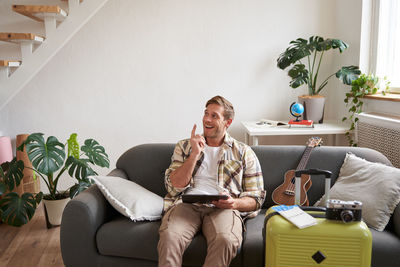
{"x":328,"y":127}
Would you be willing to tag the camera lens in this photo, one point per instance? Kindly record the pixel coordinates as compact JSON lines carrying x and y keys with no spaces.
{"x":346,"y":216}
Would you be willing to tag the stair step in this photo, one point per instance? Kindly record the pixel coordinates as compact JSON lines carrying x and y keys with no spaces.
{"x":10,"y":63}
{"x":38,"y":13}
{"x":13,"y":37}
{"x":6,"y":68}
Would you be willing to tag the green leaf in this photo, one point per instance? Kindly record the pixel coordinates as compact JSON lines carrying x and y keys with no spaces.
{"x":348,"y":74}
{"x":297,"y":50}
{"x":16,"y":210}
{"x":80,"y":187}
{"x":73,"y":146}
{"x":299,"y":75}
{"x":39,"y":197}
{"x":78,"y":168}
{"x":12,"y":173}
{"x":96,"y":153}
{"x":21,"y":146}
{"x":319,"y":43}
{"x":47,"y":157}
{"x":3,"y":188}
{"x":336,"y":43}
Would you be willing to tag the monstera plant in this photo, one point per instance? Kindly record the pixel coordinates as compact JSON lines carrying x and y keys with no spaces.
{"x":15,"y":210}
{"x":305,"y":58}
{"x":50,"y":162}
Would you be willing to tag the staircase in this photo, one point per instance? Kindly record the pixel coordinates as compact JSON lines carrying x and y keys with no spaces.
{"x":60,"y":25}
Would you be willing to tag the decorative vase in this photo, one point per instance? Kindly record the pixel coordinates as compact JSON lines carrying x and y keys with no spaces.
{"x":313,"y":107}
{"x":29,"y":182}
{"x":6,"y":153}
{"x":53,"y":210}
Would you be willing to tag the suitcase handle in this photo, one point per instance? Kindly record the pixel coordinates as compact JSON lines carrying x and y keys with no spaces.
{"x":327,"y":174}
{"x":298,"y":174}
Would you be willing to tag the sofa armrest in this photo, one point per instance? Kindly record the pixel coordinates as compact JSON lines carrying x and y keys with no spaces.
{"x":118,"y":173}
{"x":396,"y":220}
{"x":81,"y":219}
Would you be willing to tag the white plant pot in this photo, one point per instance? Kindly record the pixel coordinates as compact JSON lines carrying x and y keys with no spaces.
{"x":54,"y":209}
{"x":313,"y":107}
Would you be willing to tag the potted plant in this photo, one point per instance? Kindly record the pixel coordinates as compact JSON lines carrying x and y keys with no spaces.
{"x":15,"y":210}
{"x":360,"y":87}
{"x":50,"y":162}
{"x":305,"y":58}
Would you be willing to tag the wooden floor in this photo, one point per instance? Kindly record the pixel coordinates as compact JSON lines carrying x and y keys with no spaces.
{"x":30,"y":245}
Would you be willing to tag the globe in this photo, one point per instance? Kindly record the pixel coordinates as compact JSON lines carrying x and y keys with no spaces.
{"x":296,"y":109}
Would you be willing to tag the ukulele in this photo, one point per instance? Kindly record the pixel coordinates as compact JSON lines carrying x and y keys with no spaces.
{"x":284,"y":194}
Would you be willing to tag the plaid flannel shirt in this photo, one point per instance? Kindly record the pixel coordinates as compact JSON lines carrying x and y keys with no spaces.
{"x":239,"y":172}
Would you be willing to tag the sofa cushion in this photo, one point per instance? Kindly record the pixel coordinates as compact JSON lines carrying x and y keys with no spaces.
{"x":253,"y":241}
{"x":376,"y":185}
{"x":139,"y":240}
{"x":130,"y":199}
{"x":123,"y":238}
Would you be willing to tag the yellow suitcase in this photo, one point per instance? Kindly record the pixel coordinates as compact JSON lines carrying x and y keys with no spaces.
{"x":329,"y":243}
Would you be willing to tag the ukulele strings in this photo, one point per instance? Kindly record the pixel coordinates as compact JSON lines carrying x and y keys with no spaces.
{"x":301,"y":166}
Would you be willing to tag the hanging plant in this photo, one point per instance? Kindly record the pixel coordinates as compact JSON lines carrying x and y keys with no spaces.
{"x":360,"y":87}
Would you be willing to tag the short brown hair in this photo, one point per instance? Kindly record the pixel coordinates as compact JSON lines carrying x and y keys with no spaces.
{"x":229,"y":113}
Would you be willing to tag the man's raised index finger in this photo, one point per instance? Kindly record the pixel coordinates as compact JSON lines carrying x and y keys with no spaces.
{"x":194,"y":130}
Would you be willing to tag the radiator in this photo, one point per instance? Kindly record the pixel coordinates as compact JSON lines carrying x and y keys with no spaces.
{"x":380,"y":132}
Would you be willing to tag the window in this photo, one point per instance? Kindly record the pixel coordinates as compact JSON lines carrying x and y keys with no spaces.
{"x":388,"y":52}
{"x":380,"y":40}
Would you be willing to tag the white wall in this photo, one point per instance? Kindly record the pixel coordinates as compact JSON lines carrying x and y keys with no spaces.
{"x":141,"y":71}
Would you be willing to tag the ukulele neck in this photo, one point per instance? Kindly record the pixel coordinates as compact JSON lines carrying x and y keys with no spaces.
{"x":304,"y":158}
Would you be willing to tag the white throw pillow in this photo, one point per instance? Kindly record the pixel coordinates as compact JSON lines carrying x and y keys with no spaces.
{"x":376,"y":185}
{"x":130,"y":199}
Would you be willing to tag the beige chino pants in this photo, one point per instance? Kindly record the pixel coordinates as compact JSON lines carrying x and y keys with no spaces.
{"x":222,"y":229}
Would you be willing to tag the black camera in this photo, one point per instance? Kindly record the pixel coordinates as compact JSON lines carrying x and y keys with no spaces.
{"x":346,"y":211}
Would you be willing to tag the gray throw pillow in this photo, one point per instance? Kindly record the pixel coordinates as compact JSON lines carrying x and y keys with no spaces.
{"x":376,"y":185}
{"x":130,"y":199}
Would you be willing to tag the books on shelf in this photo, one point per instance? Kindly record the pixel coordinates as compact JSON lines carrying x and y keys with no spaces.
{"x":265,"y":123}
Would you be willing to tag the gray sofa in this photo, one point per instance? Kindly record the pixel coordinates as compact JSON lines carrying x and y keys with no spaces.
{"x":94,"y":234}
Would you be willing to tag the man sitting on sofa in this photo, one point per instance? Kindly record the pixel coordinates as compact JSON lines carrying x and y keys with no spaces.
{"x":212,"y":163}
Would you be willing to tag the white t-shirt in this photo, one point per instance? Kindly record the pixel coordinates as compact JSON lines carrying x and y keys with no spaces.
{"x":205,"y":179}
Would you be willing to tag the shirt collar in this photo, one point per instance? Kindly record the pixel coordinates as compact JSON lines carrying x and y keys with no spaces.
{"x":228,"y":140}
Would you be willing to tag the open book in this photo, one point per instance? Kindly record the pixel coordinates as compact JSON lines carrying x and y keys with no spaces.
{"x":265,"y":122}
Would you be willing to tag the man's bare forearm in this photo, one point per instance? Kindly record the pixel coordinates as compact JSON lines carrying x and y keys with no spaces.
{"x":182,"y":175}
{"x":245,"y":204}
